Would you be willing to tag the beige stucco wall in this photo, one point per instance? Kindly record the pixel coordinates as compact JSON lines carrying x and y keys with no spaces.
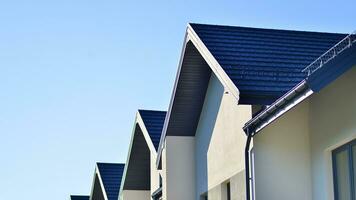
{"x":178,"y":168}
{"x":294,"y":152}
{"x":226,"y":149}
{"x":237,"y":188}
{"x":135,"y":195}
{"x":220,"y":142}
{"x":332,"y":123}
{"x":282,"y":158}
{"x":154,"y":173}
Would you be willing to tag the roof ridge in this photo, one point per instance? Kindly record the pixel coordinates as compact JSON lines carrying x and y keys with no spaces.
{"x":267,"y":29}
{"x":106,"y":163}
{"x":152,"y":110}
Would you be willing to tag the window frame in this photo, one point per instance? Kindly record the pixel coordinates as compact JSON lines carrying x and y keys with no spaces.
{"x":348,"y":147}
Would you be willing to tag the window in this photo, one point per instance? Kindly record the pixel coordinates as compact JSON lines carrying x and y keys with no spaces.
{"x":344,"y":160}
{"x":228,"y":191}
{"x":204,"y":196}
{"x":160,"y":180}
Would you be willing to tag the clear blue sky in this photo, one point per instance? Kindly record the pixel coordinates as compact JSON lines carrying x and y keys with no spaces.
{"x":73,"y":74}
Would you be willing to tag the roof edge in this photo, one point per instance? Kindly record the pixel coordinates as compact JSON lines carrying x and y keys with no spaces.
{"x":97,"y":172}
{"x":128,"y":158}
{"x":138,"y":121}
{"x":282,"y":105}
{"x":268,"y":29}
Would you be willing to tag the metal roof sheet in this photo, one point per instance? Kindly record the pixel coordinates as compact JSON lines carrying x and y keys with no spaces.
{"x":154,"y":121}
{"x":264,"y":63}
{"x":79,"y":197}
{"x":111,"y":175}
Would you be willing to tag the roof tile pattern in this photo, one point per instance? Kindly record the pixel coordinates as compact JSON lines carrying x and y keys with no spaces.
{"x":264,"y":62}
{"x":111,"y":175}
{"x":153,"y":121}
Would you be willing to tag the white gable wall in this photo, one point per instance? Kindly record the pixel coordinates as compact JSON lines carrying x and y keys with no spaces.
{"x":178,"y":168}
{"x":220,"y":143}
{"x":154,"y":173}
{"x":293,"y":154}
{"x":136,"y":194}
{"x":332,"y":123}
{"x":282,"y":158}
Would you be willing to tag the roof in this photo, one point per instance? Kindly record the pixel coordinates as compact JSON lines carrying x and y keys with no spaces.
{"x":343,"y":58}
{"x":144,"y":141}
{"x":264,"y":63}
{"x":153,"y":121}
{"x":255,"y":65}
{"x":79,"y":197}
{"x":111,"y":175}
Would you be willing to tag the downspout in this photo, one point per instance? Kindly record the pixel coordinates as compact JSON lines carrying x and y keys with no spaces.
{"x":247,"y":164}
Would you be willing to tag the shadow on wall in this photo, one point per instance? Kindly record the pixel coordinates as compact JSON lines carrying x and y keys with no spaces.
{"x":204,"y":132}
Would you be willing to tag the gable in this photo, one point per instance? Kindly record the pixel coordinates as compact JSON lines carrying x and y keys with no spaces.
{"x":153,"y":121}
{"x":137,"y":172}
{"x":111,"y":175}
{"x":97,"y":192}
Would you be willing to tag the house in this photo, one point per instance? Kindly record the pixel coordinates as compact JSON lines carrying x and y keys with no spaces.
{"x":304,"y":144}
{"x":226,"y":75}
{"x":141,"y":178}
{"x":79,"y":197}
{"x":106,"y":181}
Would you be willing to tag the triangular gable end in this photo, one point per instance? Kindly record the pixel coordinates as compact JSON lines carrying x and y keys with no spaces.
{"x":107,"y":180}
{"x":195,"y":67}
{"x":256,"y":79}
{"x":144,"y":142}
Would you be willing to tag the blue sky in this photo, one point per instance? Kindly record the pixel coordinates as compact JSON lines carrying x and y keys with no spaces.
{"x":73,"y":74}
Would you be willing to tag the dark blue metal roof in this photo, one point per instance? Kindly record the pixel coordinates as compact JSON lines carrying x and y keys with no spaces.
{"x":111,"y":175}
{"x":264,"y":63}
{"x":79,"y":197}
{"x":154,"y":121}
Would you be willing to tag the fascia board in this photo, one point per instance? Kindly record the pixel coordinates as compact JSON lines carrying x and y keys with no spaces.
{"x":165,"y":125}
{"x":101,"y":182}
{"x":128,"y":158}
{"x":213,"y":63}
{"x":92,"y":186}
{"x":147,"y":137}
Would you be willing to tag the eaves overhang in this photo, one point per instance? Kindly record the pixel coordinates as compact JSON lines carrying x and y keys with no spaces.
{"x":106,"y":181}
{"x":278,"y":108}
{"x":320,"y":78}
{"x":97,"y":186}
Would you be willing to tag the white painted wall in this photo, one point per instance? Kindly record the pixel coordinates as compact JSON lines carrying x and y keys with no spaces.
{"x":282,"y":158}
{"x":220,"y":140}
{"x":332,"y":123}
{"x":154,"y":173}
{"x":136,"y":195}
{"x":178,"y":168}
{"x":293,"y":154}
